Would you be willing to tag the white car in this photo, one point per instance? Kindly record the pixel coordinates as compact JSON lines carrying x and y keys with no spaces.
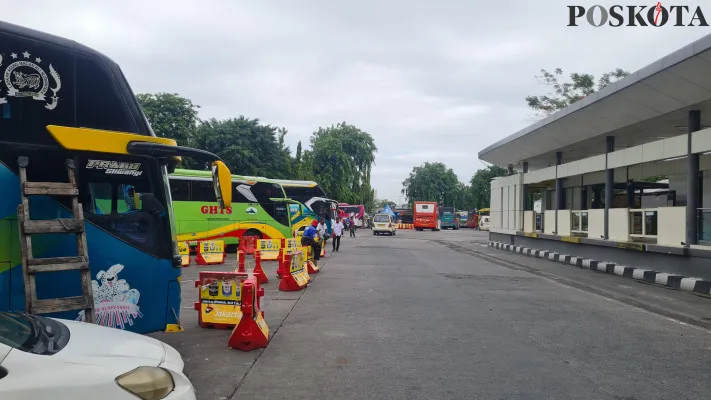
{"x":47,"y":358}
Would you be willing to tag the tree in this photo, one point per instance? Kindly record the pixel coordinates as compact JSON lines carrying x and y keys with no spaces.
{"x":246,"y":146}
{"x":170,"y":116}
{"x":480,"y":185}
{"x":341,"y":158}
{"x":432,"y":182}
{"x":567,"y":93}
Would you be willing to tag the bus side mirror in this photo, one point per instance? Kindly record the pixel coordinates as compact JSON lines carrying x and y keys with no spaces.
{"x":222,"y":182}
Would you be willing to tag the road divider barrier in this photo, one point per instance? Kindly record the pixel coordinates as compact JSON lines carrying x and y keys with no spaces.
{"x":219,"y":299}
{"x":294,"y":275}
{"x":259,"y":273}
{"x":401,"y":225}
{"x":269,"y":248}
{"x":210,"y":252}
{"x":251,"y":332}
{"x":184,"y":251}
{"x":311,"y":267}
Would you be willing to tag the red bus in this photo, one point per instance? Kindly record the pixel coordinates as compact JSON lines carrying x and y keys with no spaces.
{"x":473,"y":219}
{"x":425,"y":215}
{"x":348,"y":209}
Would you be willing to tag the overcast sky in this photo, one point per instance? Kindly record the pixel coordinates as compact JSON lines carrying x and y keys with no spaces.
{"x":435,"y":82}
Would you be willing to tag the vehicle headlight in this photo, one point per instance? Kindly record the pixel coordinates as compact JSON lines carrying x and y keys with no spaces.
{"x":148,"y":383}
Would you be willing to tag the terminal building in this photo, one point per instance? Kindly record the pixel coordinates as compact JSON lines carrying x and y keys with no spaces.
{"x":622,"y":175}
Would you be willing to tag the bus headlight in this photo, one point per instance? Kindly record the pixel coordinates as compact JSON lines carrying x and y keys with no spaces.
{"x":148,"y":383}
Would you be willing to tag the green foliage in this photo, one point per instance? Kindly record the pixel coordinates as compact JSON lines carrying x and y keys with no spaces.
{"x":246,"y":146}
{"x":341,"y":159}
{"x":480,"y":185}
{"x":171,"y":116}
{"x":567,"y":93}
{"x":432,"y":182}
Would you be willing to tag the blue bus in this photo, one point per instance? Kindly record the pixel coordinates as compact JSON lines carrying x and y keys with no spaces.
{"x":448,"y":217}
{"x":60,"y":101}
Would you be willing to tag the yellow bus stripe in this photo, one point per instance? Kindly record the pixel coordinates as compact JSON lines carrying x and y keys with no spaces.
{"x":264,"y":228}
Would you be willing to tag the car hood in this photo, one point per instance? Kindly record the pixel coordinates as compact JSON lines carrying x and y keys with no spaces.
{"x":98,"y":345}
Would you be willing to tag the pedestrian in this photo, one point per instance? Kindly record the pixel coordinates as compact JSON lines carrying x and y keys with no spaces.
{"x":322,"y":231}
{"x":352,"y":226}
{"x":311,"y":238}
{"x":337,"y":233}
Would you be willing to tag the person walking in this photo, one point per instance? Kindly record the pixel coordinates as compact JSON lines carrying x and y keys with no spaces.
{"x":352,"y":227}
{"x":311,"y":238}
{"x":337,"y":233}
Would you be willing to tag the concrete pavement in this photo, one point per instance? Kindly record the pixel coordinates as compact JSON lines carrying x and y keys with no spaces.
{"x":406,"y":317}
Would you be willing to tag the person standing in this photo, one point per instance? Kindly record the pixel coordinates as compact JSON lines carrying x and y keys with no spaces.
{"x":352,"y":227}
{"x":337,"y":233}
{"x":322,"y":231}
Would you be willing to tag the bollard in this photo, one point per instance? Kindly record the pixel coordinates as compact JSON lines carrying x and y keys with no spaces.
{"x":210,"y":252}
{"x":240,"y":261}
{"x":258,"y":271}
{"x":311,"y":266}
{"x":293,"y":279}
{"x":219,"y":299}
{"x":252,"y":331}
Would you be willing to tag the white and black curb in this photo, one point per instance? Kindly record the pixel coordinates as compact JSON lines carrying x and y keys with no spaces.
{"x":660,"y":278}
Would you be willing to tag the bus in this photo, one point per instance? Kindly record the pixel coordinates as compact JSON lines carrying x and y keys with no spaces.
{"x":346,"y":210}
{"x":448,"y":218}
{"x":259,"y":208}
{"x":312,"y":203}
{"x":463,"y":216}
{"x":473,"y":219}
{"x":426,"y":215}
{"x":62,"y":102}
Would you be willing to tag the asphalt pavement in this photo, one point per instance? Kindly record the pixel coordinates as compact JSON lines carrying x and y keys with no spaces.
{"x":437,"y":315}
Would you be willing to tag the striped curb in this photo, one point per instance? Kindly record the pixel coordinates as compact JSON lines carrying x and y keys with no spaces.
{"x":641,"y":274}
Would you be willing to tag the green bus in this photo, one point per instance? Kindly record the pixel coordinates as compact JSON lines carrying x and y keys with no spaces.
{"x":259,"y":208}
{"x":311,"y":202}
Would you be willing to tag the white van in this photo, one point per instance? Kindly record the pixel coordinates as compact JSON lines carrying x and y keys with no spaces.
{"x":484,"y":223}
{"x":384,"y":223}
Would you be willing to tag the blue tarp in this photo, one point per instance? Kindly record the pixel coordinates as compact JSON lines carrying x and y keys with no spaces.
{"x":389,"y":211}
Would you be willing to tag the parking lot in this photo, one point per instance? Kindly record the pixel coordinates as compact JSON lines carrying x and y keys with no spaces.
{"x":405,"y":317}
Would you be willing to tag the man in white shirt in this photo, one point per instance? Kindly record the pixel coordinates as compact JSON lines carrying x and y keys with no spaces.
{"x":337,"y":233}
{"x":321,"y":228}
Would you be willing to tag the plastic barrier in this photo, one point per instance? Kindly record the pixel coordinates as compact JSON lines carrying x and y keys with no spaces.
{"x":293,"y":274}
{"x":211,"y":252}
{"x":240,"y":261}
{"x":219,"y":299}
{"x":248,"y":244}
{"x":269,"y":248}
{"x":184,"y":251}
{"x":288,"y":246}
{"x":251,"y":332}
{"x":311,"y":266}
{"x":258,"y":271}
{"x":405,"y":226}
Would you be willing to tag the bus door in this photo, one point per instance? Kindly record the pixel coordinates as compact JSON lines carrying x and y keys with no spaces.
{"x":134,"y":280}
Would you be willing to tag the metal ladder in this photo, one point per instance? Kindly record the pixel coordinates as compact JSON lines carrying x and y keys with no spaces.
{"x":32,"y":266}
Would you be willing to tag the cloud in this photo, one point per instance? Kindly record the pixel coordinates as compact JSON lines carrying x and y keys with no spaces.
{"x":431,"y":81}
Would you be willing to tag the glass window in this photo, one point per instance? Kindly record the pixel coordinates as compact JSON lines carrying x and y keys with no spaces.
{"x":381,"y":218}
{"x":202,"y":191}
{"x":99,"y":104}
{"x":180,"y":189}
{"x":32,"y":333}
{"x":123,"y":197}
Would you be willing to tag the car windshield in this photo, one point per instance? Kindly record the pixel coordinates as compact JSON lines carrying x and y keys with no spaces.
{"x":32,"y":333}
{"x":381,"y":218}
